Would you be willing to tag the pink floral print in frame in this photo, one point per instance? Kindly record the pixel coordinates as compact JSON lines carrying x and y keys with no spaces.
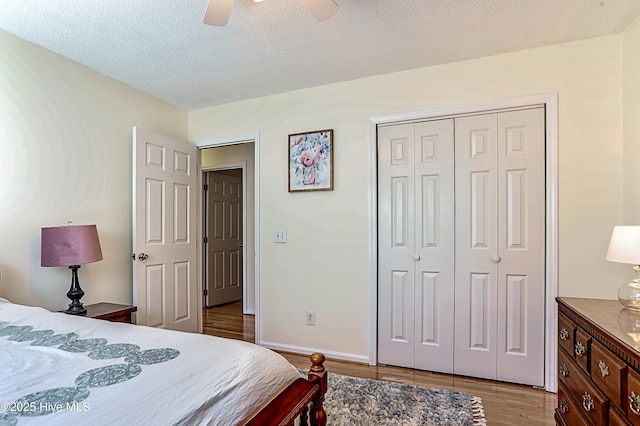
{"x":311,"y":161}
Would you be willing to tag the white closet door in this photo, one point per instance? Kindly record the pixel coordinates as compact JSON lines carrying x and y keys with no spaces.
{"x":521,"y":166}
{"x":476,"y":246}
{"x":435,"y":236}
{"x":500,"y":206}
{"x":396,"y":231}
{"x":416,"y":236}
{"x":461,"y":245}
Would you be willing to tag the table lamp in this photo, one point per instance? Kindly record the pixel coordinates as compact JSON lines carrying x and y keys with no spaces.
{"x":72,"y":246}
{"x":624,"y":247}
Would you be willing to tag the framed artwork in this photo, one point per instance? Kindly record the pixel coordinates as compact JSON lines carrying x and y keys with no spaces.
{"x":311,"y":161}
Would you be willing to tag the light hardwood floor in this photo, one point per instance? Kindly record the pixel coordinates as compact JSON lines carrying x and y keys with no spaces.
{"x":504,"y":403}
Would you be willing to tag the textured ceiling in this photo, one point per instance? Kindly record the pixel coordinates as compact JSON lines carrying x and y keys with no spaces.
{"x":162,"y":47}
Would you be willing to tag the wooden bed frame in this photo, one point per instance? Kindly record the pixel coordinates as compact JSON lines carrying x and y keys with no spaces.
{"x":301,"y":398}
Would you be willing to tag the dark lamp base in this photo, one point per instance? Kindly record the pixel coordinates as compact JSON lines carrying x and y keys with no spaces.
{"x":75,"y":293}
{"x":76,"y":310}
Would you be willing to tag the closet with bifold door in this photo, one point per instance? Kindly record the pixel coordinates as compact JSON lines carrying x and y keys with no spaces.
{"x":461,"y":245}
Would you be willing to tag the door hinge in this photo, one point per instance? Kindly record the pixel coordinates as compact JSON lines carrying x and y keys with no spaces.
{"x":205,"y":240}
{"x":206,"y":292}
{"x":205,"y":187}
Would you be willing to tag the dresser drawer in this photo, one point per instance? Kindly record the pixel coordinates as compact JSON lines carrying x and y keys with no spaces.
{"x":607,"y":372}
{"x":588,"y":399}
{"x":566,"y":333}
{"x":581,"y":349}
{"x":616,"y":419}
{"x":631,"y":402}
{"x":568,"y":411}
{"x":567,"y":367}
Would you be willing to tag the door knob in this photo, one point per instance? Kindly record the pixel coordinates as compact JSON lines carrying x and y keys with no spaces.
{"x":495,"y":259}
{"x":142,"y":256}
{"x":416,"y":257}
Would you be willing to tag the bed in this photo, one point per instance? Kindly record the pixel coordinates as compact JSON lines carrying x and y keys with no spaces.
{"x":61,"y":369}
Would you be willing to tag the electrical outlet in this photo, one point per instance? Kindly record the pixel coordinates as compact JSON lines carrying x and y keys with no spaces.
{"x":311,"y":318}
{"x":280,"y":236}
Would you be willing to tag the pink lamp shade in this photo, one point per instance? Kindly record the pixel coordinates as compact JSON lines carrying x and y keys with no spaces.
{"x":70,"y":245}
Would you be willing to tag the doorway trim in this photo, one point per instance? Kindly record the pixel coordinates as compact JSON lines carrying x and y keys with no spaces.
{"x":237,"y":140}
{"x":242,"y":165}
{"x":550,"y":101}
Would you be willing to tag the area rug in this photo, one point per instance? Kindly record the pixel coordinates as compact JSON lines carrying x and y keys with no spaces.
{"x":358,"y":401}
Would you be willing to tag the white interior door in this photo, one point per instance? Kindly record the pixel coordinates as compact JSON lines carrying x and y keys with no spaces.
{"x":165,"y":283}
{"x":476,"y":246}
{"x":416,"y":265}
{"x":521,"y":278}
{"x":500,"y":228}
{"x":461,"y":234}
{"x":224,"y":233}
{"x":435,"y":236}
{"x":396,"y":243}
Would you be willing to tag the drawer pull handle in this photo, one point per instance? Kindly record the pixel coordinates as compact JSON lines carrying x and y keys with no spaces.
{"x":587,"y":402}
{"x":604,"y":369}
{"x":634,"y":403}
{"x":564,"y":334}
{"x":564,"y":407}
{"x":580,"y":349}
{"x":564,"y":371}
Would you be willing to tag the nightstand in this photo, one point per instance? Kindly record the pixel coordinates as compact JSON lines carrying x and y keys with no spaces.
{"x":110,"y":312}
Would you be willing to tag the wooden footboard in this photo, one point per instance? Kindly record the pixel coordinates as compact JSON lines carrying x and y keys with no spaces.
{"x":301,"y":398}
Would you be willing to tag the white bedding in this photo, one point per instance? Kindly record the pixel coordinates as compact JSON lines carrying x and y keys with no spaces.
{"x":173,"y":378}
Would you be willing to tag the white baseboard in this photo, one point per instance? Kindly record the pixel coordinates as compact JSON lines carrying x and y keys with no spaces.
{"x":308,"y":351}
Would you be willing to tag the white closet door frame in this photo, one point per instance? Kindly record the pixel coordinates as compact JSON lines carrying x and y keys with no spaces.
{"x":550,"y":101}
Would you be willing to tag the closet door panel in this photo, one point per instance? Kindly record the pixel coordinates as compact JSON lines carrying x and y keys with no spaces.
{"x":521,"y":214}
{"x":433,"y":254}
{"x":396,"y":243}
{"x":476,"y":246}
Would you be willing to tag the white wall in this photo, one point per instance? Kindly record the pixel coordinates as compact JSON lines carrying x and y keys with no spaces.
{"x":631,"y":145}
{"x":65,"y":154}
{"x":325,"y":265}
{"x":214,"y":157}
{"x":632,"y":123}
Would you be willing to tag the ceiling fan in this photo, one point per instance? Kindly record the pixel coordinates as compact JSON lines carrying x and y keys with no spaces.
{"x":218,"y":11}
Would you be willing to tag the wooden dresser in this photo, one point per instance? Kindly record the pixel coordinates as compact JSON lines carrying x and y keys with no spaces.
{"x":598,"y":363}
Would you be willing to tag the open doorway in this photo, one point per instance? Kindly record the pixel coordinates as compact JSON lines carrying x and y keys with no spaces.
{"x":234,"y":164}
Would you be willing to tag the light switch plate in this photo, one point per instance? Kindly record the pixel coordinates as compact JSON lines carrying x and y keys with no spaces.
{"x":280,"y":236}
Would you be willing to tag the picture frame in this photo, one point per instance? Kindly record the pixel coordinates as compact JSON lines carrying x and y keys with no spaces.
{"x":311,"y":161}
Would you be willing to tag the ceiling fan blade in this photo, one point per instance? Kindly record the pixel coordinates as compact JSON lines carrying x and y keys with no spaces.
{"x":321,"y":9}
{"x":217,"y":12}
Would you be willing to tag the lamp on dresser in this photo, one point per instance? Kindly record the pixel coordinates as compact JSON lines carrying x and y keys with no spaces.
{"x":72,"y":246}
{"x":624,"y":247}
